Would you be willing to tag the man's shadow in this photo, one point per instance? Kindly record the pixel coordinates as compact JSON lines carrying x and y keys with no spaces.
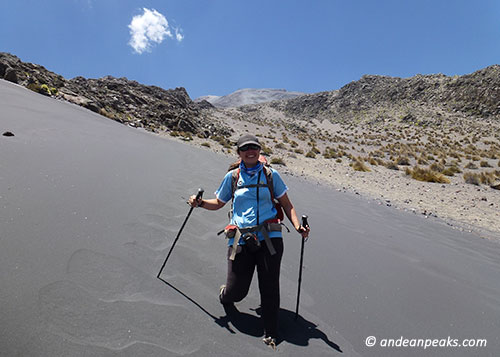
{"x":295,"y":331}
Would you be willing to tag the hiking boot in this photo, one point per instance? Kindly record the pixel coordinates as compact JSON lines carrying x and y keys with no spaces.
{"x":221,"y":293}
{"x":229,"y":307}
{"x":270,"y":341}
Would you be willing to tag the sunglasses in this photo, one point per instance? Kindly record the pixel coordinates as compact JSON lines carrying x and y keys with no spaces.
{"x":249,"y":147}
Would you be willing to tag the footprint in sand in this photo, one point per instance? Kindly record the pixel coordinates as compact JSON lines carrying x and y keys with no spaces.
{"x":111,"y":279}
{"x":109,"y":303}
{"x":70,"y":311}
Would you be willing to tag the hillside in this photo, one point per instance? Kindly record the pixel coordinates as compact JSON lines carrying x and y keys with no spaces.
{"x":476,"y":94}
{"x":404,"y":141}
{"x":120,"y":99}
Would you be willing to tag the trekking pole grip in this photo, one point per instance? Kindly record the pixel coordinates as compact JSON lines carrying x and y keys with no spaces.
{"x":304,"y":221}
{"x":199,"y":195}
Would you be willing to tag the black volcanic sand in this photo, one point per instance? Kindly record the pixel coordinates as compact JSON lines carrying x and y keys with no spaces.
{"x":89,"y":209}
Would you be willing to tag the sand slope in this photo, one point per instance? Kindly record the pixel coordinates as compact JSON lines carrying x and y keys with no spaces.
{"x":89,"y":208}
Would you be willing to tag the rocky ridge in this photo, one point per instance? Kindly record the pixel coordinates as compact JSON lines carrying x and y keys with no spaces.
{"x":120,"y":99}
{"x":475,"y":94}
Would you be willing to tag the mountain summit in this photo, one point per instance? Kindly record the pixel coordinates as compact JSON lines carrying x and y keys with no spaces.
{"x":249,"y":96}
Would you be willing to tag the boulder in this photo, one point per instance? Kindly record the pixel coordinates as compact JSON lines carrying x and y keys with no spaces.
{"x":11,"y":75}
{"x":3,"y":69}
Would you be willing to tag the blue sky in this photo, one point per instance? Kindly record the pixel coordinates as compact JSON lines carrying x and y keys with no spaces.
{"x":219,"y":46}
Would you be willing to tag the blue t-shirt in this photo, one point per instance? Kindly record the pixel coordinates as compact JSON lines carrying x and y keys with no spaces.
{"x":245,"y":199}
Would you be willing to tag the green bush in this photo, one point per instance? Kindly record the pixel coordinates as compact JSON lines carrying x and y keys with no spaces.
{"x":44,"y":89}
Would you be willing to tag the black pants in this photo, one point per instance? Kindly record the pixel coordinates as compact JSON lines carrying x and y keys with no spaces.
{"x":239,"y":276}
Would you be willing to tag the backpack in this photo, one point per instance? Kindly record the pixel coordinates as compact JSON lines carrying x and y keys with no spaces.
{"x":269,"y":178}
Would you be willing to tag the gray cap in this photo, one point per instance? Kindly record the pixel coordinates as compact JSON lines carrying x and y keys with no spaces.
{"x":247,"y":139}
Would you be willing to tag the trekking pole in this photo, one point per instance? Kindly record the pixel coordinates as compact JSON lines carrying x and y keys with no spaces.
{"x":198,"y":196}
{"x":304,"y":224}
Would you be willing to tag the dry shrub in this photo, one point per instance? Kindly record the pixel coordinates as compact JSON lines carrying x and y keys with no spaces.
{"x":277,"y":161}
{"x":489,"y":177}
{"x":403,"y":160}
{"x":426,"y":175}
{"x":311,"y":154}
{"x":330,"y":153}
{"x":471,"y":166}
{"x":484,"y":163}
{"x":437,"y":167}
{"x":422,"y":161}
{"x":472,"y":178}
{"x":359,"y":165}
{"x":451,"y":171}
{"x":391,"y":165}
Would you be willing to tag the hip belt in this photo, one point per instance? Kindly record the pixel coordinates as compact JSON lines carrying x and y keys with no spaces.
{"x":235,"y":232}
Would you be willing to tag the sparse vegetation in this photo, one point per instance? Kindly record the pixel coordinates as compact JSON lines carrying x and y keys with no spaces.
{"x":427,"y":175}
{"x":391,"y":165}
{"x":359,"y":165}
{"x":277,"y":161}
{"x":471,"y":166}
{"x":311,"y":154}
{"x":472,"y":178}
{"x":442,"y":140}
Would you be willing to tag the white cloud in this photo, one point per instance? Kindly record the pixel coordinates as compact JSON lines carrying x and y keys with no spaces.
{"x":149,"y":29}
{"x":178,"y":35}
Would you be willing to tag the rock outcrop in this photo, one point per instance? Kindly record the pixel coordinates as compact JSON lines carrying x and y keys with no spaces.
{"x":120,"y":99}
{"x":476,"y":94}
